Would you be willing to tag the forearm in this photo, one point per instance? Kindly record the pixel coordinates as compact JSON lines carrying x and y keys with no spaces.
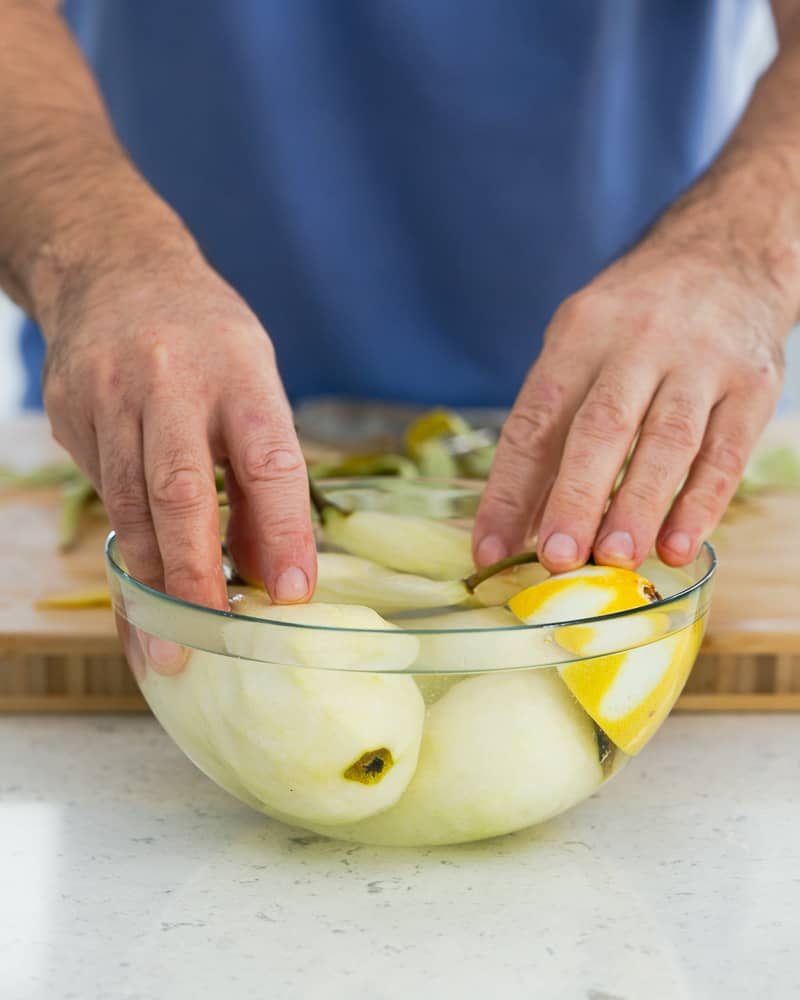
{"x":745,"y":210}
{"x":69,"y":196}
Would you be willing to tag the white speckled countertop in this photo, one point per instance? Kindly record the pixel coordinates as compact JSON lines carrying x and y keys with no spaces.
{"x":125,"y":874}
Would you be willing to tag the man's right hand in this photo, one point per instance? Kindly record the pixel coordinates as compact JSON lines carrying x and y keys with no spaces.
{"x":156,"y":370}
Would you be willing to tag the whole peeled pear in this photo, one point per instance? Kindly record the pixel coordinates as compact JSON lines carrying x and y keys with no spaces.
{"x":500,"y":751}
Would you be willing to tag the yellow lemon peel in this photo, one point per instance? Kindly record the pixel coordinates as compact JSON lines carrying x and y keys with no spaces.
{"x":627,"y":693}
{"x":630,"y":694}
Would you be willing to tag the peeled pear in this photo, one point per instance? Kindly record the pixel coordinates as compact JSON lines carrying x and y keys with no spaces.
{"x":316,"y":746}
{"x":349,"y":579}
{"x":403,"y":542}
{"x":184,"y":705}
{"x":499,"y":752}
{"x":499,"y":589}
{"x":491,"y":638}
{"x":327,"y":740}
{"x":328,"y":636}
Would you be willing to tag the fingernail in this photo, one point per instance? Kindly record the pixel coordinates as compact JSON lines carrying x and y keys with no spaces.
{"x":291,"y":585}
{"x":560,"y":548}
{"x":617,"y":545}
{"x":165,"y":657}
{"x":678,"y":542}
{"x":491,"y":550}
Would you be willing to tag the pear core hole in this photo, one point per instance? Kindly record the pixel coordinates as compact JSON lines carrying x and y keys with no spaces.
{"x":650,"y":592}
{"x":371,"y":767}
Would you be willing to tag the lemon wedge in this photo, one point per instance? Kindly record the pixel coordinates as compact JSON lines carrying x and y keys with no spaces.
{"x":632,"y":670}
{"x":630,"y":694}
{"x":582,"y":593}
{"x":588,"y":593}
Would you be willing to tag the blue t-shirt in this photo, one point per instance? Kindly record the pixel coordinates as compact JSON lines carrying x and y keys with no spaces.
{"x":404,"y":190}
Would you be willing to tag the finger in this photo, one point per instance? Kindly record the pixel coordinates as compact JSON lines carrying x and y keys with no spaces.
{"x":526,"y":460}
{"x":597,"y":443}
{"x":669,"y":440}
{"x":242,"y":532}
{"x":733,"y":429}
{"x":268,"y":466}
{"x":182,"y":494}
{"x":124,"y":492}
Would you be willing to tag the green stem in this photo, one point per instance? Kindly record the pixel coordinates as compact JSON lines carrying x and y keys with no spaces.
{"x":520,"y":559}
{"x":482,"y":575}
{"x":321,"y":502}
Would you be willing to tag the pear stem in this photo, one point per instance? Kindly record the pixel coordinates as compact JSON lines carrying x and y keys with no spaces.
{"x":474,"y":581}
{"x":321,"y":502}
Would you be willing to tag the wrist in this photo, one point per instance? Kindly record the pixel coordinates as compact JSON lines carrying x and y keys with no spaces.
{"x":120,"y":226}
{"x":742,"y":220}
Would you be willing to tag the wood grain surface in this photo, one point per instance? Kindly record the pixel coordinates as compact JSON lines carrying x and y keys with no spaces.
{"x":752,"y":645}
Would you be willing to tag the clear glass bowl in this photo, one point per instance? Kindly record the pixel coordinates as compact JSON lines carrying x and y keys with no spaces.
{"x":431,"y":730}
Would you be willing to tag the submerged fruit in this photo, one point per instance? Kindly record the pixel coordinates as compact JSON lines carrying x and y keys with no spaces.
{"x":184,"y":705}
{"x":403,"y":542}
{"x":501,"y":588}
{"x":500,"y":752}
{"x":321,"y":746}
{"x":331,"y":636}
{"x":309,"y":744}
{"x":349,"y":579}
{"x":582,"y":593}
{"x":629,"y":692}
{"x":491,"y":638}
{"x":590,"y":592}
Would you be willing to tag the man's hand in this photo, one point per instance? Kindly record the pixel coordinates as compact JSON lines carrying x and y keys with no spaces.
{"x":156,"y":370}
{"x":669,"y":344}
{"x":676,"y":349}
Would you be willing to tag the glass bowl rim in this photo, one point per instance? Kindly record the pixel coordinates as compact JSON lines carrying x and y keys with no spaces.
{"x":665,"y":602}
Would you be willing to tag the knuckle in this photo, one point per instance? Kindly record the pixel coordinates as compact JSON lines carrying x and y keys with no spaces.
{"x":766,"y":377}
{"x":263,"y":461}
{"x":504,"y":505}
{"x":187,"y":574}
{"x":527,"y":429}
{"x":106,"y":378}
{"x":676,"y":429}
{"x":725,"y":457}
{"x":125,"y":495}
{"x":54,"y":394}
{"x":603,"y":416}
{"x":579,"y":309}
{"x":156,"y":360}
{"x":707,"y":500}
{"x":128,"y":509}
{"x":644,"y":494}
{"x":178,"y":484}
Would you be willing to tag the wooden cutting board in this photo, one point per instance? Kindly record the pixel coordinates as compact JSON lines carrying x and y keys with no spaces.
{"x":756,"y":609}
